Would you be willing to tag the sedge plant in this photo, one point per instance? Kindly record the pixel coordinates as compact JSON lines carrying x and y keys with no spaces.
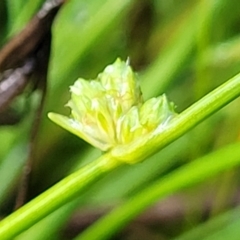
{"x":111,"y":114}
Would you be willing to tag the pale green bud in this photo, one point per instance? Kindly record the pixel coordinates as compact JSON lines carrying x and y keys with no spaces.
{"x":110,"y":111}
{"x":155,"y":112}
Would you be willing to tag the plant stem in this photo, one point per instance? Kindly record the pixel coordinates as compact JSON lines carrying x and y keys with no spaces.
{"x":56,"y":196}
{"x":139,"y":150}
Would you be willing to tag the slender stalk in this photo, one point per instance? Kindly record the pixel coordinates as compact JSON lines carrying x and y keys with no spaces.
{"x":57,"y":196}
{"x":72,"y":185}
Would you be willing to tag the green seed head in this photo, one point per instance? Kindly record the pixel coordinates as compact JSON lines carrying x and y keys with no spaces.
{"x":110,"y":111}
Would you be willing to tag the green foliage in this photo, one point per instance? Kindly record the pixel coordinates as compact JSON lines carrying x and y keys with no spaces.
{"x":183,"y":48}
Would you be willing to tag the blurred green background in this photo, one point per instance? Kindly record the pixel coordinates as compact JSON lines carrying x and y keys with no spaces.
{"x":183,"y":48}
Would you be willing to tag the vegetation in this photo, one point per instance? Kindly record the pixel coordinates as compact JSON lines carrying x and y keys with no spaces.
{"x":188,"y":50}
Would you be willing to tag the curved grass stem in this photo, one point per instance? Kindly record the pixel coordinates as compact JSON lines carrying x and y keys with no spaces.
{"x":76,"y":183}
{"x":56,"y":196}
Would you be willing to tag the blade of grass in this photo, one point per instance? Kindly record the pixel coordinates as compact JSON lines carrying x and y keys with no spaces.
{"x":10,"y":169}
{"x":22,"y":15}
{"x":177,"y":52}
{"x":87,"y":35}
{"x":215,"y":226}
{"x":188,"y":175}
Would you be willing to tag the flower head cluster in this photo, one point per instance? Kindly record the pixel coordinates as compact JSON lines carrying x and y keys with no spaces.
{"x":110,"y":111}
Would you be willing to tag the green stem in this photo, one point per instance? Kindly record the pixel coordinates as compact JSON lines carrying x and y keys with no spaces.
{"x":71,"y":186}
{"x":57,"y":196}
